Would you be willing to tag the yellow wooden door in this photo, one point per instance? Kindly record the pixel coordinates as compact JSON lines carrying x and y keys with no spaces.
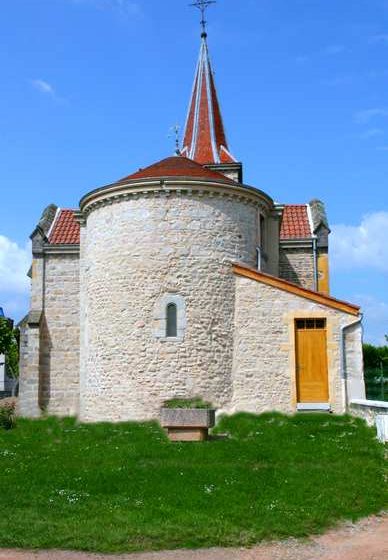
{"x":311,"y":361}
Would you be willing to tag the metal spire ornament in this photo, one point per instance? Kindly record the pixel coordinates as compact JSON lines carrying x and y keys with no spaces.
{"x":203,"y":6}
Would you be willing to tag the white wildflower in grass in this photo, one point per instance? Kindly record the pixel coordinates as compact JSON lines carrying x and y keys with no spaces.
{"x":230,"y":481}
{"x":272,"y":505}
{"x":70,"y":496}
{"x":209,"y":488}
{"x":345,"y":434}
{"x":7,"y":453}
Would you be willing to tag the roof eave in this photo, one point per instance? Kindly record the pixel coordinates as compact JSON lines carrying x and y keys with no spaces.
{"x":61,"y":249}
{"x":279,"y":283}
{"x":173,"y":181}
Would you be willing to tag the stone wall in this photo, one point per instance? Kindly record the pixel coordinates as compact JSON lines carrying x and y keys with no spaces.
{"x":354,"y":361}
{"x":59,"y":336}
{"x":297,"y":265}
{"x":368,"y":410}
{"x":135,"y":253}
{"x":29,"y":378}
{"x":264,"y":349}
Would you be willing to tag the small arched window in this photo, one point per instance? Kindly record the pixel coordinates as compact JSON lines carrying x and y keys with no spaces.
{"x":172,"y":321}
{"x":170,"y":318}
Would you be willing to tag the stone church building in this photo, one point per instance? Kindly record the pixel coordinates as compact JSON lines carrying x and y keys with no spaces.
{"x":180,"y":280}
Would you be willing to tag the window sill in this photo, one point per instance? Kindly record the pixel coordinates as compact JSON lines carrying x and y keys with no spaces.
{"x":170,"y":338}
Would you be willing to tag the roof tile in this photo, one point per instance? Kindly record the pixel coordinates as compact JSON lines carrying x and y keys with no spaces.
{"x":177,"y":166}
{"x":66,"y":231}
{"x":295,"y":222}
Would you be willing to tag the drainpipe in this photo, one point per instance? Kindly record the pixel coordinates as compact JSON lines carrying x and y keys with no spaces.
{"x":259,"y":258}
{"x":344,"y":373}
{"x":315,"y":259}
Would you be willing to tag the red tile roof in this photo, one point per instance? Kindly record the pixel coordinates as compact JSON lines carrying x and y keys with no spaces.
{"x":205,"y":139}
{"x":177,"y":166}
{"x":295,"y":222}
{"x":65,"y":231}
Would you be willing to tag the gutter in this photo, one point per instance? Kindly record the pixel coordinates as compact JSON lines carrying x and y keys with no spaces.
{"x":344,"y":373}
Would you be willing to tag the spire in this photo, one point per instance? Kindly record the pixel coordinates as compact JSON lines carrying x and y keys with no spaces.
{"x":205,"y":138}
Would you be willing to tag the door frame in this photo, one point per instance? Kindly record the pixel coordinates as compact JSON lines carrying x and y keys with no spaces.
{"x":322,"y":404}
{"x":333,"y":323}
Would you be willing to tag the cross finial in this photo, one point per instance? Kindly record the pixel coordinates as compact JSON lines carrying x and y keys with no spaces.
{"x":203,"y":6}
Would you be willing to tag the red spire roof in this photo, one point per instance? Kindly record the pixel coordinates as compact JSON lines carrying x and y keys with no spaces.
{"x":205,"y":138}
{"x":177,"y":166}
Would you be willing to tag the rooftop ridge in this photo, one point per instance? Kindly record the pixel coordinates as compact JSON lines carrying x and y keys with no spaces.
{"x":177,"y":166}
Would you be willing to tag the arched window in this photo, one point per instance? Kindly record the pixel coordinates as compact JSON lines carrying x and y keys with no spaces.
{"x":170,"y":318}
{"x":172,"y":321}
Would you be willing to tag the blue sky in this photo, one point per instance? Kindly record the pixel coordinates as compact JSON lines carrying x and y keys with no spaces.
{"x":90,"y":89}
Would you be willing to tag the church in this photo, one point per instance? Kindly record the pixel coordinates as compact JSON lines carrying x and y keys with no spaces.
{"x":181,"y":281}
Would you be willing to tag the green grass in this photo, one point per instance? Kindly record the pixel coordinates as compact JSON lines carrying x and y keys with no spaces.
{"x":187,"y":403}
{"x":117,"y":488}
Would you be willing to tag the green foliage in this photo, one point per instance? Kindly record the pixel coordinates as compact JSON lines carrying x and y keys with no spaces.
{"x":374,"y":355}
{"x":7,"y":417}
{"x":9,"y":345}
{"x":196,"y":402}
{"x":376,"y":372}
{"x":122,"y":488}
{"x":12,"y":360}
{"x":6,"y":335}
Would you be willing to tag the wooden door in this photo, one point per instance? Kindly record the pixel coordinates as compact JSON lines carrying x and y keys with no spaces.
{"x":311,"y":361}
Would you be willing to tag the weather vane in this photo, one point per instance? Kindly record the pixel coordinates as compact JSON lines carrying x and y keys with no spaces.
{"x":203,"y":6}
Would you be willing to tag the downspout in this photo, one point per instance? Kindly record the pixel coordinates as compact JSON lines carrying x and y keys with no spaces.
{"x":344,"y":373}
{"x":259,"y":258}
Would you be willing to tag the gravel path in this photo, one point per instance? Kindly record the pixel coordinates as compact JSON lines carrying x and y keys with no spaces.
{"x":367,"y":540}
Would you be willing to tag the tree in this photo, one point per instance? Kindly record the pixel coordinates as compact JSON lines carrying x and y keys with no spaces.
{"x":6,"y":335}
{"x":371,"y":356}
{"x":9,"y":346}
